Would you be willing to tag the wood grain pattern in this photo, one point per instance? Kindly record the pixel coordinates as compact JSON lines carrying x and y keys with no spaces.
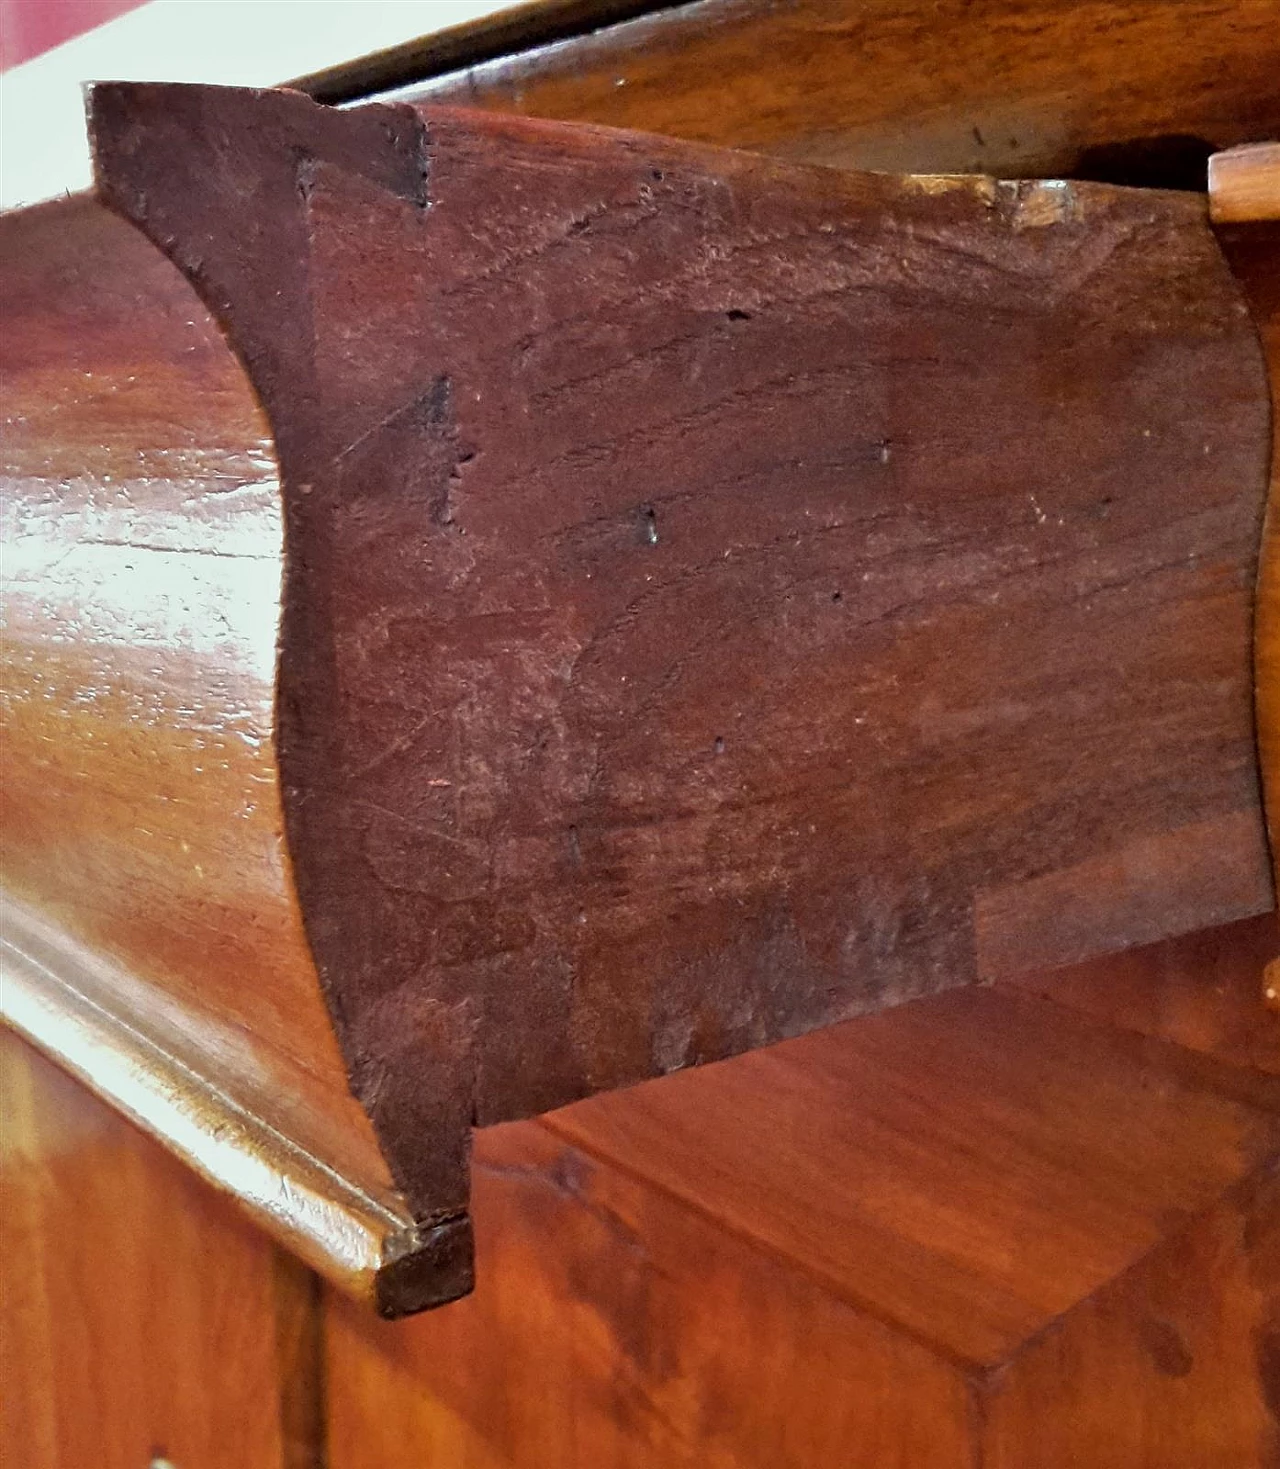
{"x":1083,"y":88}
{"x":1203,"y":991}
{"x":53,"y":995}
{"x":613,"y":1325}
{"x":140,"y":1316}
{"x":984,"y":1106}
{"x":142,"y":566}
{"x":666,"y":676}
{"x":141,"y":798}
{"x":1173,"y":1366}
{"x":975,"y":1229}
{"x":1244,"y":184}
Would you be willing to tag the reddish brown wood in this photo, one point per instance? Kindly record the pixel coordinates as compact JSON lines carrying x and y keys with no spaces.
{"x":722,"y":597}
{"x":1132,"y":92}
{"x":976,"y":1229}
{"x":1204,"y":991}
{"x":143,"y":830}
{"x":141,"y":1318}
{"x":141,"y":804}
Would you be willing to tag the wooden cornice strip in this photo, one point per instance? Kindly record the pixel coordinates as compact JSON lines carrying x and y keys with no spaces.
{"x":1017,"y":88}
{"x":54,"y":993}
{"x":156,"y":948}
{"x":501,"y":34}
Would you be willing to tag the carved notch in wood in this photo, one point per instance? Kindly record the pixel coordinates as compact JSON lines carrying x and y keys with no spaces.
{"x":720,"y":597}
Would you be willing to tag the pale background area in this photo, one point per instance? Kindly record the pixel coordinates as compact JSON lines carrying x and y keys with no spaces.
{"x":248,"y":43}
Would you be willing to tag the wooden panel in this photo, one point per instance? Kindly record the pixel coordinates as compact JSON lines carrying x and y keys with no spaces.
{"x":141,"y":1316}
{"x":613,"y":1326}
{"x":708,"y":581}
{"x":1011,"y":87}
{"x":1204,"y":991}
{"x":1171,"y":1367}
{"x":974,"y":1226}
{"x":899,"y":1157}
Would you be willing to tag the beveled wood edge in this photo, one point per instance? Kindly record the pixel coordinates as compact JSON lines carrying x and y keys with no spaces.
{"x":368,"y":1248}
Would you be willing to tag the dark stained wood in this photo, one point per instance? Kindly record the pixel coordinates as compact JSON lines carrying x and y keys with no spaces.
{"x":1131,"y":92}
{"x":1254,"y":253}
{"x":723,"y":597}
{"x":140,"y":1316}
{"x":976,"y":1229}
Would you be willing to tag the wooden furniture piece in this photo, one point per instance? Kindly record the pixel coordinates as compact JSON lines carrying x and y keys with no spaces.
{"x":977,"y":1227}
{"x":986,"y":1223}
{"x":654,"y":681}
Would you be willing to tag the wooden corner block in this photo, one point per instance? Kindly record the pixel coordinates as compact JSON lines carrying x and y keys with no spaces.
{"x":719,"y":597}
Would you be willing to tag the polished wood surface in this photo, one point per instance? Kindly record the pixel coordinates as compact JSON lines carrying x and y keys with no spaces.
{"x":1204,"y":991}
{"x":53,"y":996}
{"x":142,"y":1319}
{"x":978,"y":1228}
{"x":584,"y":699}
{"x":156,"y":946}
{"x":986,"y":1106}
{"x":142,"y":568}
{"x":1244,"y":184}
{"x":1171,"y":1367}
{"x":1137,"y":93}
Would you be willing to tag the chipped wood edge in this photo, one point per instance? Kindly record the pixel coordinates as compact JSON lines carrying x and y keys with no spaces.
{"x":366,"y":1247}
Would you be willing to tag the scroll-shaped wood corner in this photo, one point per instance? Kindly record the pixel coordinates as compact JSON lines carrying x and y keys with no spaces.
{"x":722,"y":597}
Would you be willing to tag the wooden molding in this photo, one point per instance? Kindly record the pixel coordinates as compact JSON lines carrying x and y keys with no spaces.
{"x":1001,"y":87}
{"x":56,"y":996}
{"x":154,"y":945}
{"x":713,"y":598}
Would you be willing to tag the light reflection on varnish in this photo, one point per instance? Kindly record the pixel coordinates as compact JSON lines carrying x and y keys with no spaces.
{"x":142,"y":531}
